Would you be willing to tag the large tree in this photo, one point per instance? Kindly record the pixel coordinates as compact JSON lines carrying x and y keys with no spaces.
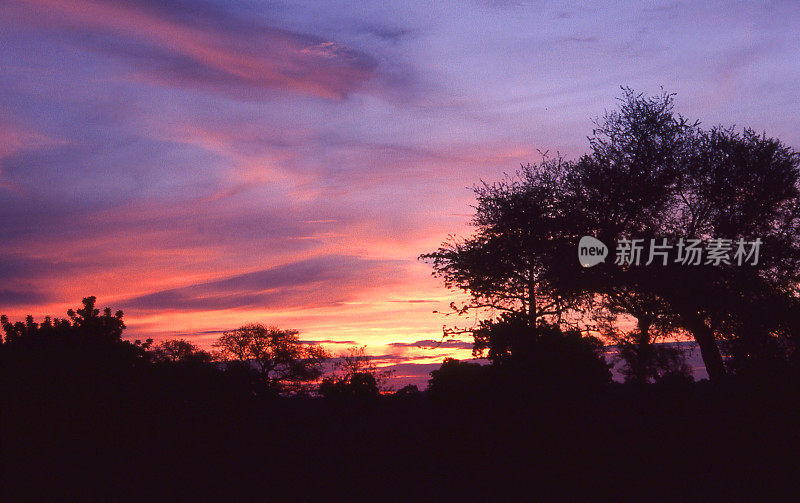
{"x":649,"y":174}
{"x":518,"y":222}
{"x":736,"y":186}
{"x":283,"y":362}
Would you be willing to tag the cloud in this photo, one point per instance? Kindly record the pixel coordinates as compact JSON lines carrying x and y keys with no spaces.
{"x":432,"y":344}
{"x":658,"y":9}
{"x":330,"y":341}
{"x":392,"y":34}
{"x":581,"y":39}
{"x":112,"y":169}
{"x":150,"y":149}
{"x":22,"y":279}
{"x":15,"y":267}
{"x":316,"y":282}
{"x":230,"y":53}
{"x":402,"y":371}
{"x":16,"y":298}
{"x":502,"y":4}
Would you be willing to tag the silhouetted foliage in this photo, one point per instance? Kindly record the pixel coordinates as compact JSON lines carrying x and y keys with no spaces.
{"x":650,"y":174}
{"x":82,"y":354}
{"x":643,"y":359}
{"x":285,"y":364}
{"x":82,"y":326}
{"x":759,"y":356}
{"x":121,"y":427}
{"x":681,"y":377}
{"x":698,"y":184}
{"x":408,"y":391}
{"x":459,"y":380}
{"x":179,"y":351}
{"x":548,"y":358}
{"x":356,"y":376}
{"x":651,"y":361}
{"x":360,"y":385}
{"x":500,"y":267}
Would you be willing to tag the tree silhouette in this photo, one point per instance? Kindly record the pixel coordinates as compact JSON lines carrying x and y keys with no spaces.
{"x":459,"y":380}
{"x":649,"y":174}
{"x":284,"y":363}
{"x":408,"y":391}
{"x":355,"y":376}
{"x":500,"y":267}
{"x":81,"y":355}
{"x":180,"y":351}
{"x":551,"y":358}
{"x":85,"y":325}
{"x":731,"y":186}
{"x":643,"y":359}
{"x":627,"y":187}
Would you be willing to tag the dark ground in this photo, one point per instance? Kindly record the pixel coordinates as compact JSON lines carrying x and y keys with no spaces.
{"x":660,"y":444}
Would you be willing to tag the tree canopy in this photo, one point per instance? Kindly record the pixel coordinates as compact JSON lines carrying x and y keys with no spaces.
{"x":284,"y":363}
{"x":649,"y":174}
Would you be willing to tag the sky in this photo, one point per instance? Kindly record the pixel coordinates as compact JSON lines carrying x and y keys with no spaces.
{"x":202,"y":165}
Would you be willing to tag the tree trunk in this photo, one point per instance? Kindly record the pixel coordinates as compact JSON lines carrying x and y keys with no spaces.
{"x":644,"y":350}
{"x":532,"y":301}
{"x":709,"y":350}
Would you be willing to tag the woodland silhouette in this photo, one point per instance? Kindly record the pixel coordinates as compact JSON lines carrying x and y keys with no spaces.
{"x":262,"y":412}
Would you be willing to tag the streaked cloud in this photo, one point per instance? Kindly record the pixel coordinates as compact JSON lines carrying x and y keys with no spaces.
{"x":23,"y":297}
{"x":202,"y":45}
{"x":316,"y":282}
{"x":432,"y":344}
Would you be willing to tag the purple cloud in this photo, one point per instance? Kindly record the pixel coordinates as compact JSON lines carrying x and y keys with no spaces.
{"x":321,"y":281}
{"x":204,"y":45}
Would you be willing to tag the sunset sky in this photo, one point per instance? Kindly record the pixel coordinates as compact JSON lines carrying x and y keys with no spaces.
{"x":205,"y":164}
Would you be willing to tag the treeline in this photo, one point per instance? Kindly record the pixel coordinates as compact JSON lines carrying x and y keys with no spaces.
{"x":84,"y":352}
{"x":84,"y":355}
{"x":83,"y":358}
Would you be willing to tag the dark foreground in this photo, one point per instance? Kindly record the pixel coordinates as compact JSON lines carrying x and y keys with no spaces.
{"x":622,"y":444}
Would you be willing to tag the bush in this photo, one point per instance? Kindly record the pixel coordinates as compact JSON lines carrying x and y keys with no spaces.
{"x":545,"y":357}
{"x":459,"y":380}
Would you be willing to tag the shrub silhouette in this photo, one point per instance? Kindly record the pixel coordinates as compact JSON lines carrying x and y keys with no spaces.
{"x":545,"y":357}
{"x":646,"y":362}
{"x":359,"y":386}
{"x":80,"y":355}
{"x":355,"y":376}
{"x":459,"y":380}
{"x":408,"y":391}
{"x":182,"y":352}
